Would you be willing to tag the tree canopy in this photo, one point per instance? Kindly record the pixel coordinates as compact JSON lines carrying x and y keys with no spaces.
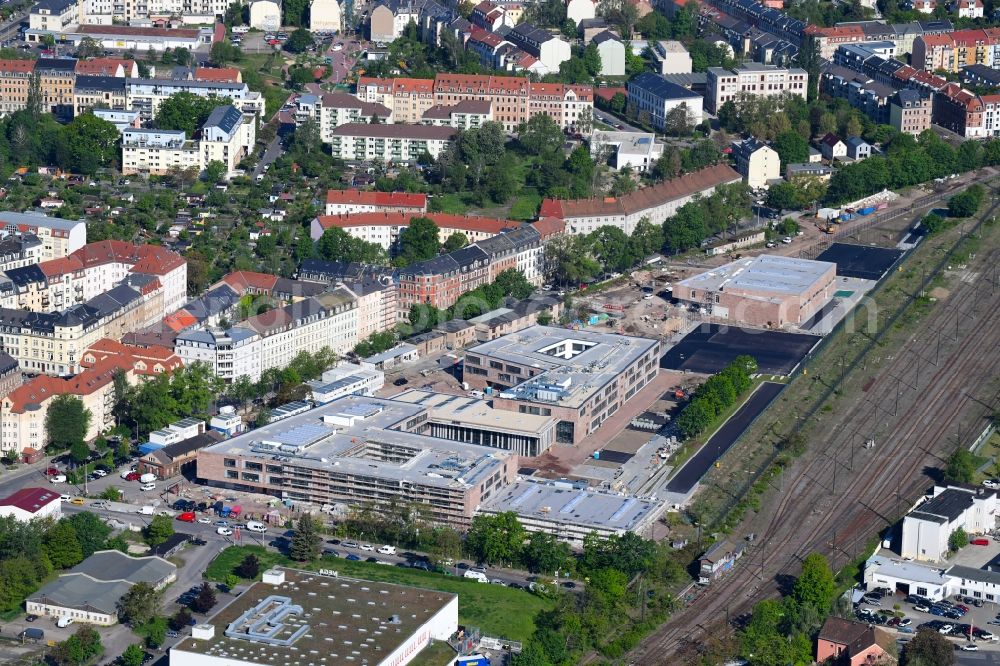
{"x":66,"y":421}
{"x":419,"y":241}
{"x":186,"y":111}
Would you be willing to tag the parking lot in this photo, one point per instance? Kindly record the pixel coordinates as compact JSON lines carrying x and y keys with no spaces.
{"x":982,"y":621}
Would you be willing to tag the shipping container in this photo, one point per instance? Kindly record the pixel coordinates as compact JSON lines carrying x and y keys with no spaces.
{"x":867,"y":210}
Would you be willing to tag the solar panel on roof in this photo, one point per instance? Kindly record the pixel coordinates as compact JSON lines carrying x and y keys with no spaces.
{"x":302,"y":435}
{"x":628,"y":504}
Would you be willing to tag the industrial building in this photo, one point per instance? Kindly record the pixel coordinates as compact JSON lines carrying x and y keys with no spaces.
{"x":927,"y":527}
{"x":579,"y":377}
{"x":31,"y":503}
{"x":302,"y":618}
{"x":933,"y":581}
{"x":362,"y":450}
{"x":767,"y":290}
{"x":570,"y":512}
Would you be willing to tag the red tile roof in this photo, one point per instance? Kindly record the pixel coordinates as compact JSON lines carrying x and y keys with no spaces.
{"x":179,"y":321}
{"x":17,"y":66}
{"x":133,"y":31}
{"x":607,"y":93}
{"x":218,"y":74}
{"x":142,"y":359}
{"x":385,"y":199}
{"x":243,"y":281}
{"x":442,"y":220}
{"x":36,"y":391}
{"x":105,"y":66}
{"x":31,"y":500}
{"x":149,"y":259}
{"x":61,"y":266}
{"x":548,"y":226}
{"x":398,"y":86}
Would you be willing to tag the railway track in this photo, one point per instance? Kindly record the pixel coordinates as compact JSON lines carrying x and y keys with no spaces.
{"x":835,"y":504}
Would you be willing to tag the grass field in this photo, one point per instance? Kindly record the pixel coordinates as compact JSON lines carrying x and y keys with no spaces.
{"x":525,"y":207}
{"x":498,"y":611}
{"x":449,"y":203}
{"x":435,"y":654}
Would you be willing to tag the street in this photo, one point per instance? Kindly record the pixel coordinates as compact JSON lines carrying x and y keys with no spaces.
{"x":614,"y":121}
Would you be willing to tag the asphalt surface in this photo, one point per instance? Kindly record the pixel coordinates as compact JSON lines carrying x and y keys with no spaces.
{"x":690,"y":474}
{"x":711,"y":347}
{"x":614,"y":121}
{"x":860,"y":261}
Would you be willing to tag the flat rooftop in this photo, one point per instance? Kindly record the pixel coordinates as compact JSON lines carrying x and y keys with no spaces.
{"x":918,"y":573}
{"x":475,"y":412}
{"x":346,"y":435}
{"x":560,"y":502}
{"x":315,"y":620}
{"x":765,"y":274}
{"x":574,"y":364}
{"x":628,"y":143}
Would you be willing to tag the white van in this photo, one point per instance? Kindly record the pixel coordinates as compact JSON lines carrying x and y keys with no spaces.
{"x":64,"y":622}
{"x":478,"y":576}
{"x":254,"y":526}
{"x":387,"y":550}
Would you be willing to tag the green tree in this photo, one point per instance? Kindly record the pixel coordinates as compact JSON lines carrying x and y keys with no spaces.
{"x":132,"y":655}
{"x":419,"y":241}
{"x":928,"y":648}
{"x":79,"y":452}
{"x":66,"y":421}
{"x":249,"y":568}
{"x":181,"y":619}
{"x":299,"y":41}
{"x":215,"y":171}
{"x":185,"y":111}
{"x":545,"y":553}
{"x":87,"y":144}
{"x":965,"y":204}
{"x":618,"y":102}
{"x":654,"y":25}
{"x":612,"y":248}
{"x":337,"y":245}
{"x":592,"y":59}
{"x":231,"y":581}
{"x":306,"y":542}
{"x":791,"y":148}
{"x":91,"y":532}
{"x":160,"y":529}
{"x":961,"y":467}
{"x":815,"y":586}
{"x":571,"y":259}
{"x":763,"y":642}
{"x":156,"y":632}
{"x":78,"y":649}
{"x":456,"y":241}
{"x":958,"y":540}
{"x":205,"y":599}
{"x":139,"y":605}
{"x":62,"y":546}
{"x":496,"y":539}
{"x":224,"y":53}
{"x":540,"y":135}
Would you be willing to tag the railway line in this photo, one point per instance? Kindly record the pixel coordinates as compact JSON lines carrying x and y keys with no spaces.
{"x":846,"y":490}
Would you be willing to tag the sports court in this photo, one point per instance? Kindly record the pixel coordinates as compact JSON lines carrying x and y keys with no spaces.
{"x":861,"y":261}
{"x":711,"y":347}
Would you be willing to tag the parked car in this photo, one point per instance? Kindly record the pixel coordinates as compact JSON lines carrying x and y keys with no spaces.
{"x":945,"y":629}
{"x":353,"y":558}
{"x":147,"y":486}
{"x":187,"y":517}
{"x":980,"y":542}
{"x":969,"y":647}
{"x":224,"y":531}
{"x":52,"y":471}
{"x":992,"y":483}
{"x":58,"y":478}
{"x":368,"y":547}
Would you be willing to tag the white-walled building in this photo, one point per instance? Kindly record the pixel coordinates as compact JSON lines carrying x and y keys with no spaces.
{"x":549,"y":49}
{"x":331,"y":110}
{"x":359,"y":142}
{"x":612,"y":51}
{"x":754,"y":79}
{"x":579,"y":10}
{"x":637,"y":150}
{"x":227,"y":136}
{"x":653,"y":94}
{"x":325,"y":16}
{"x":341,"y":202}
{"x":927,"y":527}
{"x":277,"y":621}
{"x":671,"y":56}
{"x":935,"y":582}
{"x":56,"y":16}
{"x":146,"y":95}
{"x":31,"y":503}
{"x":265,"y":14}
{"x":59,"y":237}
{"x":346,"y":379}
{"x":757,"y":162}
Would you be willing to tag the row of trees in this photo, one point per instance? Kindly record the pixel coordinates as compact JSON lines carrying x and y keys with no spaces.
{"x":716,"y":395}
{"x":31,"y":138}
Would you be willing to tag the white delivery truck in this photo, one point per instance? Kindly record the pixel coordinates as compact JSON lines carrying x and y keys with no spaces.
{"x":147,"y":510}
{"x":387,"y":550}
{"x":147,"y":478}
{"x":476,"y":575}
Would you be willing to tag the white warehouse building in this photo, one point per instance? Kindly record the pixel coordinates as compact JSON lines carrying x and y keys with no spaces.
{"x":928,"y":526}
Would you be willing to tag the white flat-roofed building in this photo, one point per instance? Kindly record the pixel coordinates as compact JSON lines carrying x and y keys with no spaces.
{"x":360,"y":450}
{"x":122,"y":119}
{"x":146,"y":95}
{"x":753,"y":79}
{"x":158,"y":152}
{"x":571,"y":513}
{"x":637,"y":150}
{"x":581,"y":378}
{"x":927,"y":528}
{"x":346,"y":379}
{"x":331,"y":110}
{"x":671,"y":56}
{"x":292,"y":617}
{"x":475,"y":421}
{"x":767,"y":290}
{"x":656,"y":96}
{"x":359,"y":142}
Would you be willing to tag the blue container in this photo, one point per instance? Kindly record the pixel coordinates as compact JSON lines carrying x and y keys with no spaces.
{"x":225,"y":511}
{"x":472,"y":660}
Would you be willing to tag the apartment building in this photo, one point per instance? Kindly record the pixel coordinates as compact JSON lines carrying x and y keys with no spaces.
{"x":407,"y":99}
{"x":146,"y":95}
{"x":549,"y":49}
{"x":340,"y":202}
{"x":657,"y":202}
{"x":15,"y":81}
{"x":757,"y":162}
{"x":724,"y":85}
{"x":376,"y":305}
{"x":910,"y":112}
{"x":59,"y":237}
{"x":23,"y":410}
{"x":56,"y":77}
{"x":361,"y":142}
{"x":638,"y":151}
{"x":17,"y":250}
{"x":98,"y":92}
{"x":116,"y":67}
{"x":227,"y":136}
{"x":385,"y":228}
{"x":56,"y":16}
{"x":671,"y":56}
{"x":953,"y":51}
{"x":274,"y":338}
{"x":652,"y":94}
{"x":470,"y":114}
{"x":331,"y":110}
{"x":107,"y":263}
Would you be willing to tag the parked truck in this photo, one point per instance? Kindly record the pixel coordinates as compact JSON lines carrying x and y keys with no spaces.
{"x":147,"y":478}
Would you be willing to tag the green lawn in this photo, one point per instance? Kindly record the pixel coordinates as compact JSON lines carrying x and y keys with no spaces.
{"x":449,"y":203}
{"x":438,"y":653}
{"x":525,"y":206}
{"x":498,"y":611}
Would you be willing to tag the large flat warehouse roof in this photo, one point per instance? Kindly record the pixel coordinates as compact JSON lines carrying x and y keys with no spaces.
{"x":340,"y":435}
{"x":475,"y":412}
{"x":765,"y":274}
{"x":315,"y":620}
